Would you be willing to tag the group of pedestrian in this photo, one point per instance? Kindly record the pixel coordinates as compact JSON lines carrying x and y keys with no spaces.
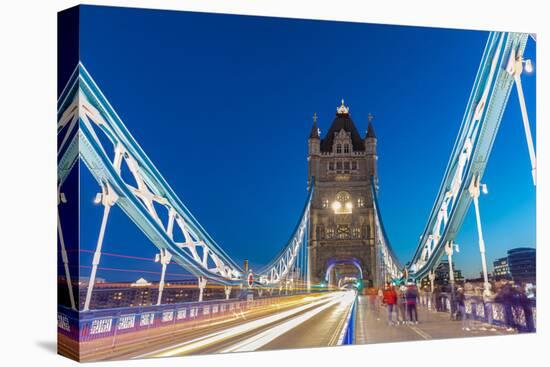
{"x":400,"y":301}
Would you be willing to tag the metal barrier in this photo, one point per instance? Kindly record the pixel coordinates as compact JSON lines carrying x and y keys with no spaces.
{"x":522,"y":317}
{"x":107,"y":328}
{"x":349,"y":329}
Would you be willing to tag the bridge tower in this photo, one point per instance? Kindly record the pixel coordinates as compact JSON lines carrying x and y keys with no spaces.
{"x":341,"y":241}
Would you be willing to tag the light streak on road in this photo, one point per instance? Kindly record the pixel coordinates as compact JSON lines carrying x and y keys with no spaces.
{"x":314,"y":303}
{"x":258,"y":341}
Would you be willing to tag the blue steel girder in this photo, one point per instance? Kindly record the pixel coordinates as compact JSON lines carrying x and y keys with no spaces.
{"x":388,"y":262}
{"x":471,"y":151}
{"x":281,"y":265}
{"x":83,"y":114}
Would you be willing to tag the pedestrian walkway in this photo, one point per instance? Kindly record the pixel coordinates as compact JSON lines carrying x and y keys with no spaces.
{"x":371,"y":326}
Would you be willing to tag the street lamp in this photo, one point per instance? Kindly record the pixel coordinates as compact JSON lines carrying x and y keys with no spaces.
{"x":528,"y":66}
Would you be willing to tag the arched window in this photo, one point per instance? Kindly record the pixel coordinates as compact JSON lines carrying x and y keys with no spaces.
{"x":338,"y":148}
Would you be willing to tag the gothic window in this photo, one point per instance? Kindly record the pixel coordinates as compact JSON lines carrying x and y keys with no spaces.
{"x":330,"y":232}
{"x":320,"y":232}
{"x":365,"y":230}
{"x":342,"y":232}
{"x":346,"y":148}
{"x":356,"y":232}
{"x":338,"y":148}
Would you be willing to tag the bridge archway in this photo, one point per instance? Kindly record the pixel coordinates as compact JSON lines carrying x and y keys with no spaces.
{"x":340,"y":270}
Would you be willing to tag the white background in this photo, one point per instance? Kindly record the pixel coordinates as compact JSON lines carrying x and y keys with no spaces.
{"x":28,"y":176}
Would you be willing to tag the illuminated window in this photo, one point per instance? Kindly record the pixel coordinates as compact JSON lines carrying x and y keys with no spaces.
{"x":360,"y":202}
{"x":325,"y":203}
{"x":342,"y":203}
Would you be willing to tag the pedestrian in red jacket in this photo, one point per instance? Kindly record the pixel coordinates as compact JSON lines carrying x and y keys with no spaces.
{"x":390,"y":299}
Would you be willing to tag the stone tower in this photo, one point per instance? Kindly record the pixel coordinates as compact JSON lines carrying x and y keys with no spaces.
{"x":341,"y":241}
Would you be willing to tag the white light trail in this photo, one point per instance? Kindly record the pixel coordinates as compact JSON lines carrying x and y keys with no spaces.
{"x":261,"y":339}
{"x":216,"y":337}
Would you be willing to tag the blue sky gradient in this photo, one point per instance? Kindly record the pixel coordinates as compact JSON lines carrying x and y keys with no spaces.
{"x":222,"y":105}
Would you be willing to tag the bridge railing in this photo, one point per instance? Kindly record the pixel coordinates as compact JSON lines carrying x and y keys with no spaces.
{"x":522,"y":317}
{"x":106,"y":329}
{"x":348,"y":332}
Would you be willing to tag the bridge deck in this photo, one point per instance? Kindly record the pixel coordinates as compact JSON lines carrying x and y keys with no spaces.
{"x":372,"y":326}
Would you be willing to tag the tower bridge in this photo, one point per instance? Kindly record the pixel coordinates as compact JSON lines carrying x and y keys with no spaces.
{"x":339,"y":235}
{"x":342,"y":165}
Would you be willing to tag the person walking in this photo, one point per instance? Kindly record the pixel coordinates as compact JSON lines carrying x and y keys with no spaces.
{"x":436,"y":298}
{"x":371,"y":294}
{"x":379,"y":299}
{"x":505,"y":297}
{"x":411,"y":297}
{"x":389,"y":298}
{"x":461,"y":308}
{"x":401,"y":303}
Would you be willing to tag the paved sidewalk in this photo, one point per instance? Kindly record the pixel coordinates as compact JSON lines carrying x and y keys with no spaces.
{"x":371,"y":326}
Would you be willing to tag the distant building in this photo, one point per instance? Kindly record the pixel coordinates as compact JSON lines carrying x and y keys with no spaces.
{"x":522,"y":263}
{"x":442,"y":275}
{"x":143,"y":293}
{"x":501,"y":270}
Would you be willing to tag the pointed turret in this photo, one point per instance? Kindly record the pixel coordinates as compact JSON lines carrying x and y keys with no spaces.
{"x":314,"y":134}
{"x":370,"y":131}
{"x":370,"y":149}
{"x":314,"y":141}
{"x":342,"y":121}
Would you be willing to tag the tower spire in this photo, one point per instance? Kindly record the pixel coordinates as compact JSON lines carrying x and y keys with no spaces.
{"x":342,"y":109}
{"x":370,"y":129}
{"x":315,"y":133}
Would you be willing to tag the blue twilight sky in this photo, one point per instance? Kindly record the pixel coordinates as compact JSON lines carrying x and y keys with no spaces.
{"x":222,"y":105}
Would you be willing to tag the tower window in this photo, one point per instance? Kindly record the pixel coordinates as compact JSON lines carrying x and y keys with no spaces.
{"x":338,"y":148}
{"x":330,"y":232}
{"x":342,"y":203}
{"x":356,"y":232}
{"x":346,"y":148}
{"x":343,"y":232}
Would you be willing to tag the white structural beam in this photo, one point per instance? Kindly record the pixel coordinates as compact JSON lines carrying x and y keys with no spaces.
{"x":515,"y":68}
{"x":107,"y":198}
{"x":475,"y":189}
